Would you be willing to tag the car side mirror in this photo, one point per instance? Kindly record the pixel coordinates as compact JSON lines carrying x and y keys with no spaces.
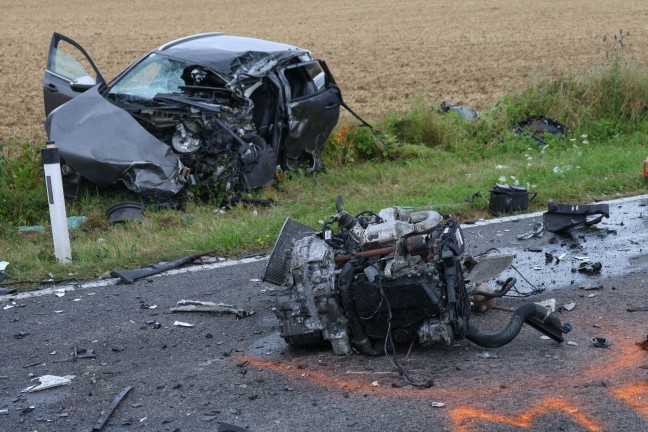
{"x":83,"y":83}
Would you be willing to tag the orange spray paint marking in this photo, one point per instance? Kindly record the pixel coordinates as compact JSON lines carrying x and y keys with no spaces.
{"x":635,"y":395}
{"x":462,"y":416}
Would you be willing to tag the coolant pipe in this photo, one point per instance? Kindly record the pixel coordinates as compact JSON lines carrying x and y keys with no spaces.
{"x":360,"y":339}
{"x":535,"y":315}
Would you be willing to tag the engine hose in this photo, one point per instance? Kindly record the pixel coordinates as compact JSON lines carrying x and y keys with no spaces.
{"x":506,"y":287}
{"x":496,"y":340}
{"x":360,"y":339}
{"x":338,"y":203}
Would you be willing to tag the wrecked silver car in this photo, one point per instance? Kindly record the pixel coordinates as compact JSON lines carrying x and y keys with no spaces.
{"x":209,"y":109}
{"x":372,"y":281}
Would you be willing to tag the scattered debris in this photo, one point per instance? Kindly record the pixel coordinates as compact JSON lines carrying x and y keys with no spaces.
{"x":548,"y":257}
{"x":375,"y":384}
{"x":562,"y":217}
{"x":230,"y":427}
{"x":468,"y":113}
{"x":508,"y":199}
{"x":104,"y":418}
{"x":638,"y":309}
{"x":572,"y":343}
{"x":643,"y":344}
{"x":589,"y":268}
{"x":400,"y":383}
{"x":569,"y":306}
{"x":182,"y":324}
{"x":599,"y":342}
{"x":537,"y":231}
{"x":83,"y":353}
{"x":127,"y":211}
{"x":589,"y":287}
{"x":536,"y":127}
{"x":49,"y":381}
{"x":486,"y":355}
{"x":205,"y":306}
{"x":20,"y":335}
{"x":130,"y":276}
{"x":437,"y":404}
{"x":3,"y":265}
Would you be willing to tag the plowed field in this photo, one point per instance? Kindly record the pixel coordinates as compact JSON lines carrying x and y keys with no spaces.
{"x":383,"y":53}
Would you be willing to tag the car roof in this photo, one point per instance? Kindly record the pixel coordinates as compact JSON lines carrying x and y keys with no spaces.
{"x":226,"y":53}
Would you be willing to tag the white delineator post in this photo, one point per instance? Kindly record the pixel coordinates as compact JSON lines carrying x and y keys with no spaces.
{"x":56,"y":200}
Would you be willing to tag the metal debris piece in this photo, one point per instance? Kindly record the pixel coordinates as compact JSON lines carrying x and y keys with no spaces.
{"x":589,"y":267}
{"x":49,"y":381}
{"x":537,"y":231}
{"x":600,"y":342}
{"x":205,"y":306}
{"x":438,"y":404}
{"x":548,"y":257}
{"x":182,"y":324}
{"x":466,"y":112}
{"x":20,"y":335}
{"x":489,"y":266}
{"x":104,"y":418}
{"x":589,"y":287}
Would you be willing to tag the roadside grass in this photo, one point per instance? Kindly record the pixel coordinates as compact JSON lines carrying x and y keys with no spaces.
{"x":424,"y":158}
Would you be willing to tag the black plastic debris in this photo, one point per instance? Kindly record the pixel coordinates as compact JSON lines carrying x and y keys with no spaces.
{"x":5,"y":291}
{"x":589,"y":267}
{"x":508,"y":199}
{"x":130,"y":276}
{"x":561,"y":217}
{"x":126,"y":211}
{"x":638,"y":309}
{"x":104,"y":418}
{"x":467,"y":113}
{"x":230,"y":427}
{"x":537,"y":126}
{"x":20,"y":335}
{"x":600,"y":342}
{"x":83,"y":353}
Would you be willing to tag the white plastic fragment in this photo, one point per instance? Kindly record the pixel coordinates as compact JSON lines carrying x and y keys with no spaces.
{"x":59,"y":293}
{"x":375,"y":384}
{"x":592,"y":295}
{"x":544,"y":337}
{"x":182,"y":324}
{"x":49,"y":381}
{"x":486,"y":355}
{"x":562,"y":256}
{"x":572,"y":343}
{"x":569,"y":306}
{"x":3,"y":265}
{"x":438,"y":404}
{"x":582,"y":258}
{"x":255,"y":280}
{"x":7,"y":307}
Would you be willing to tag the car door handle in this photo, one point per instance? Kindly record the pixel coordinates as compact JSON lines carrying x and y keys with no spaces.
{"x":52,"y":88}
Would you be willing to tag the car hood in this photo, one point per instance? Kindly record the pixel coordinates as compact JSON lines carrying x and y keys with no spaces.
{"x":105,"y":145}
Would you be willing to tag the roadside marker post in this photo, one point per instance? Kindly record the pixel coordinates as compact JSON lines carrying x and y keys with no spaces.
{"x":56,"y":200}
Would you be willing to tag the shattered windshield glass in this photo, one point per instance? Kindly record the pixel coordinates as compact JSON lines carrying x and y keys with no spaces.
{"x":155,"y":74}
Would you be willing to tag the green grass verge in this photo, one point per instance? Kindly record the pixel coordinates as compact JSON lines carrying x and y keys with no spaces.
{"x":424,"y":159}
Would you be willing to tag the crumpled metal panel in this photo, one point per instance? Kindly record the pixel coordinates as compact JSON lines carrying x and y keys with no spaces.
{"x":105,"y":145}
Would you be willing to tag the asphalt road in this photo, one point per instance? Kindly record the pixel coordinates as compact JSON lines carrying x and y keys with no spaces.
{"x":238,"y":371}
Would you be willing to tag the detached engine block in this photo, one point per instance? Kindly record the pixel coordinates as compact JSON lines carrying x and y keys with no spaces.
{"x":377,"y":280}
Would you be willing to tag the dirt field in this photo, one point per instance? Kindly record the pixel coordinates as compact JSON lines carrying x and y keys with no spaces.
{"x":381,"y":53}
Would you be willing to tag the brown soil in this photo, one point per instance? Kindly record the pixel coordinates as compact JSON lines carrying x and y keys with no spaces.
{"x":383,"y":54}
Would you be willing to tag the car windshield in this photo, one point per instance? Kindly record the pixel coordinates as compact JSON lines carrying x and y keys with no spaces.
{"x":154,"y":74}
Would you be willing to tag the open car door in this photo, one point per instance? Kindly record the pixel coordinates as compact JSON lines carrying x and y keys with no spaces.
{"x":314,"y":107}
{"x":70,"y":71}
